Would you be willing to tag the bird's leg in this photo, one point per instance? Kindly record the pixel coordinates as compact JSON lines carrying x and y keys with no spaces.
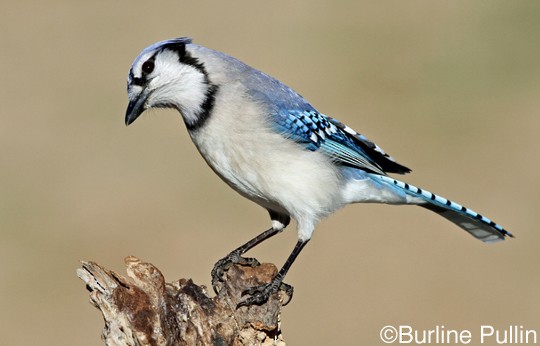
{"x":260,"y":294}
{"x":235,"y":257}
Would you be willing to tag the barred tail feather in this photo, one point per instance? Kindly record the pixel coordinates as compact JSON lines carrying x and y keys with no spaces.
{"x":477,"y":225}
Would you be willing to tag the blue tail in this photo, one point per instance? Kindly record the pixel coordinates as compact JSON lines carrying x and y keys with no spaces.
{"x":477,"y":225}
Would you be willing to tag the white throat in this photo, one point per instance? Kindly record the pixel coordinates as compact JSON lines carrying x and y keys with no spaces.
{"x":185,"y":89}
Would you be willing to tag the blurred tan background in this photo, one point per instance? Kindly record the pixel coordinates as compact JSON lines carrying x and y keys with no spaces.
{"x":451,"y":89}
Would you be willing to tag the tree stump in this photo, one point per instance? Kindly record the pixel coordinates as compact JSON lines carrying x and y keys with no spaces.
{"x":145,"y":310}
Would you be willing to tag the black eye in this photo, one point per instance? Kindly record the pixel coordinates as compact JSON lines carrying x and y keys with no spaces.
{"x":148,"y":67}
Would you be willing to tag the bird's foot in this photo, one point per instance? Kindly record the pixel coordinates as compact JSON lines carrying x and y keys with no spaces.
{"x":260,"y":294}
{"x":223,"y":265}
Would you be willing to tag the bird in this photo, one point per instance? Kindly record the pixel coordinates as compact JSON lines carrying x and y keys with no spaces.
{"x":270,"y":145}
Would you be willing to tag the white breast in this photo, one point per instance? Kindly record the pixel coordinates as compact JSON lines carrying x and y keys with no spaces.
{"x":264,"y":166}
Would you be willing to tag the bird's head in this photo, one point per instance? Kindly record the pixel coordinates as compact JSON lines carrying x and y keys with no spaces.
{"x":167,"y":75}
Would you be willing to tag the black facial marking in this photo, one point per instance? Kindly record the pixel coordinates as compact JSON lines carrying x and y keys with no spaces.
{"x":207,"y":108}
{"x":138,"y":81}
{"x":179,"y":46}
{"x":135,"y":80}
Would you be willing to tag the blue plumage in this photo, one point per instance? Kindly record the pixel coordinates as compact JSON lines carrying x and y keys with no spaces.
{"x":341,"y":143}
{"x":307,"y":127}
{"x":476,"y":224}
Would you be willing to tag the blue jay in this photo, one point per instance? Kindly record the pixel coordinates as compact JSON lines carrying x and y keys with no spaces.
{"x":273,"y":147}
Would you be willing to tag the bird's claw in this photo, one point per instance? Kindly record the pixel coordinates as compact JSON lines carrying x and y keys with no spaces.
{"x":224,"y":264}
{"x":260,"y":294}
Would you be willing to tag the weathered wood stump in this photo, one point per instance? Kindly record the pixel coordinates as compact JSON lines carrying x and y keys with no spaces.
{"x":145,"y":310}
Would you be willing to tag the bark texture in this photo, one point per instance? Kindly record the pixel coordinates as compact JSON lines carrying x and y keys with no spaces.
{"x":143,"y":309}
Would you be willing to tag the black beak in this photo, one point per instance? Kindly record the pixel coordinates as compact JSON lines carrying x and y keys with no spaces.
{"x":136,"y":107}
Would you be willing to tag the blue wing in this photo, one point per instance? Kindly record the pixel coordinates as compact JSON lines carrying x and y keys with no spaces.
{"x":296,"y":119}
{"x":344,"y":145}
